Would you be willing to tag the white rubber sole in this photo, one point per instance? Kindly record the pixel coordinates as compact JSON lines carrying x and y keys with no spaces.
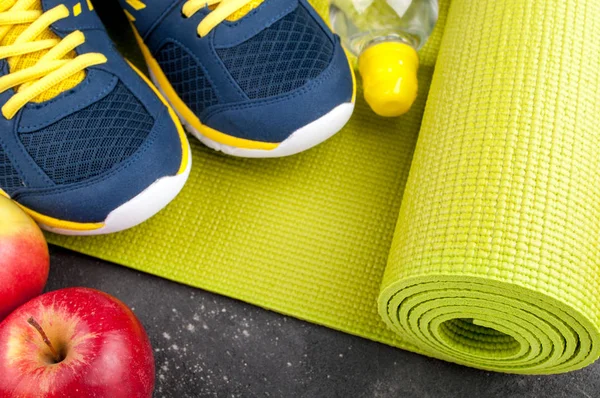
{"x":139,"y":209}
{"x":302,"y":139}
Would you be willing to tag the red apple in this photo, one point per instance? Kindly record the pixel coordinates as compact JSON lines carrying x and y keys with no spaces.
{"x":24,"y":259}
{"x":75,"y":342}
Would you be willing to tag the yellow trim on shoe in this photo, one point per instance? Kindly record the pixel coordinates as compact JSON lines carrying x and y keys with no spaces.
{"x":187,"y":113}
{"x":56,"y":223}
{"x":185,"y":145}
{"x":131,"y":17}
{"x":60,"y":224}
{"x":136,"y":4}
{"x":354,"y":89}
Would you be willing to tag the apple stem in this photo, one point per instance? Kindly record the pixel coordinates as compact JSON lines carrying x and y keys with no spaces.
{"x":37,"y":327}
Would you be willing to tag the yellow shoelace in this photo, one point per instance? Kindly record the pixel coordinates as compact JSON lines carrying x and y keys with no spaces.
{"x":225,"y":9}
{"x":52,"y":68}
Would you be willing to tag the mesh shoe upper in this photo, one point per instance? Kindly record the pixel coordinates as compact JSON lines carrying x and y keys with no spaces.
{"x":245,"y":76}
{"x":187,"y":77}
{"x":280,"y":59}
{"x":92,"y":141}
{"x":9,"y":177}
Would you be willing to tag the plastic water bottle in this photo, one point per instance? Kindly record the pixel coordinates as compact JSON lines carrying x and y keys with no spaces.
{"x":385,"y":36}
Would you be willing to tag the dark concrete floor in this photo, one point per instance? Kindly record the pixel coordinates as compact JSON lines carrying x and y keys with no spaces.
{"x":212,"y":346}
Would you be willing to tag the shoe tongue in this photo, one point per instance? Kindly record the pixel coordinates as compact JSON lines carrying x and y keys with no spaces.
{"x":241,"y":13}
{"x":28,"y":60}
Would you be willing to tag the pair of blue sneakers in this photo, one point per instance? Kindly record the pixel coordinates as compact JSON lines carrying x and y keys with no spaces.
{"x":88,"y":145}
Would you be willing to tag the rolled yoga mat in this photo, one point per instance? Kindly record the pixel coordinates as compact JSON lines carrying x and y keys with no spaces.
{"x":493,"y":261}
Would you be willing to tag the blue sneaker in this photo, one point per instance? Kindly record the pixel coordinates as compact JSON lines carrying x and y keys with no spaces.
{"x":87,"y":146}
{"x":251,"y":78}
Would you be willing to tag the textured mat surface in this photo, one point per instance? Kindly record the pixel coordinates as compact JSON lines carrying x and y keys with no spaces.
{"x":494,"y":260}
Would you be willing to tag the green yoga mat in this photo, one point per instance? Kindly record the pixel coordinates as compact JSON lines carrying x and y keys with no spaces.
{"x":476,"y":243}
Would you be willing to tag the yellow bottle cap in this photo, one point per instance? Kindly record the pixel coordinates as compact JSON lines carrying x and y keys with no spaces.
{"x":389,"y":73}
